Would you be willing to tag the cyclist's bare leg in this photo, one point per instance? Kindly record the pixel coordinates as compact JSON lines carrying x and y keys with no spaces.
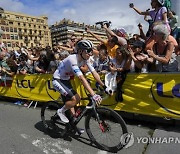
{"x":71,"y":103}
{"x":72,"y":111}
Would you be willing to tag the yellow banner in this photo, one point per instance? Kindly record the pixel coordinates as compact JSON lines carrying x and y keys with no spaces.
{"x":148,"y":94}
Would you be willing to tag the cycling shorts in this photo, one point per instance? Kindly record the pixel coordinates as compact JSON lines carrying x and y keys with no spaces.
{"x":65,"y":88}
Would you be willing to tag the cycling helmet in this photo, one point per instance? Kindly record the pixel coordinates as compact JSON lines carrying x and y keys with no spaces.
{"x":84,"y":45}
{"x":161,"y":2}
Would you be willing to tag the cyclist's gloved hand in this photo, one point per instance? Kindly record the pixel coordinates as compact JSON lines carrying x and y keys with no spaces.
{"x":108,"y":90}
{"x":97,"y":99}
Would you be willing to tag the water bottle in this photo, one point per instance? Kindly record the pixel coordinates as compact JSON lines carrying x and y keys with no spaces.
{"x":78,"y":112}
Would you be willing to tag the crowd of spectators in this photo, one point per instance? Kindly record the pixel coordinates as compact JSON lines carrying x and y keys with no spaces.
{"x":157,"y":50}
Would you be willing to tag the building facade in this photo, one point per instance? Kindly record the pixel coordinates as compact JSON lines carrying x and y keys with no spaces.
{"x":62,"y":31}
{"x":24,"y":30}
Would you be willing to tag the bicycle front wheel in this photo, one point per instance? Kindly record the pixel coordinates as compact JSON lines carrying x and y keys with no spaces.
{"x":106,"y":134}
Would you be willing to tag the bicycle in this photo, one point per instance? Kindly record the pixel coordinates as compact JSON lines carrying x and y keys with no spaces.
{"x":104,"y":126}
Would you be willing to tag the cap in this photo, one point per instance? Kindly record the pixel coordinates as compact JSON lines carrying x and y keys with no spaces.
{"x":122,"y":31}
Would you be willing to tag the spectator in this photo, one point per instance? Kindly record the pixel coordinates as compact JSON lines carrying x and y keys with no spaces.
{"x":140,"y":60}
{"x":111,"y":43}
{"x":102,"y":66}
{"x":54,"y":63}
{"x":150,"y":23}
{"x":163,"y":52}
{"x":120,"y":66}
{"x":41,"y":64}
{"x":120,"y":34}
{"x":173,"y":22}
{"x":8,"y":66}
{"x":23,"y":67}
{"x":151,"y":41}
{"x":159,"y":12}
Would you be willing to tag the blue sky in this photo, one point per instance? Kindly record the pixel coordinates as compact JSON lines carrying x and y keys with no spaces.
{"x":87,"y":11}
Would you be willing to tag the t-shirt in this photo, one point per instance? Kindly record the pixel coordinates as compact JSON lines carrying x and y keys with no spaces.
{"x":70,"y":66}
{"x":159,"y":16}
{"x":111,"y":51}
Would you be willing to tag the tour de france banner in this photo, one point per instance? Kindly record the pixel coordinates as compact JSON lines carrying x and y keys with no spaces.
{"x":148,"y":94}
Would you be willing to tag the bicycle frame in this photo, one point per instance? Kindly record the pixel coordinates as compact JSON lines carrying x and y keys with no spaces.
{"x":91,"y":106}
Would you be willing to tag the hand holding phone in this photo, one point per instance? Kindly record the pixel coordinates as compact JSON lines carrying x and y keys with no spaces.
{"x":131,"y":5}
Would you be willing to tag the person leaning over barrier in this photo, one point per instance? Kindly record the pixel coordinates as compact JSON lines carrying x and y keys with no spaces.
{"x":163,"y":52}
{"x":69,"y":67}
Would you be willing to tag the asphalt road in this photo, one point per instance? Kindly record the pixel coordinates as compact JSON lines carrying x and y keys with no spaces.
{"x":22,"y":132}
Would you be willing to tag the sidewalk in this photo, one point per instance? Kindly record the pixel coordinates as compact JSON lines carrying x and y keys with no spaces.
{"x":149,"y":141}
{"x":170,"y":145}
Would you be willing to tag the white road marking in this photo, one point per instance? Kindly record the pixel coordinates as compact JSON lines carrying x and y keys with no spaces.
{"x":49,"y":147}
{"x":101,"y":152}
{"x":25,"y":136}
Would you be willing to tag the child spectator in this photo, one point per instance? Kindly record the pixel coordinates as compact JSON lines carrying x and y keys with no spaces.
{"x":102,"y":66}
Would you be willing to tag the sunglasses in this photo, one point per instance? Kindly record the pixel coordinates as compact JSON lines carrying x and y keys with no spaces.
{"x":89,"y":51}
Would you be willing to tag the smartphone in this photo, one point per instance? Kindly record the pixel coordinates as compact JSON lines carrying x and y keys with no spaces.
{"x":131,"y":5}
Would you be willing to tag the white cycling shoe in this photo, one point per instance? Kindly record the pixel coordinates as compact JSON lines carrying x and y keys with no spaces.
{"x":62,"y":116}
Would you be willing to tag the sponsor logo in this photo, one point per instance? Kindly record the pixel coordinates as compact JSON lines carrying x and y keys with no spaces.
{"x":165,"y":93}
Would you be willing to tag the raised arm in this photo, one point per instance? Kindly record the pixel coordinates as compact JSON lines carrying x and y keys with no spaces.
{"x":137,"y":10}
{"x":94,"y":35}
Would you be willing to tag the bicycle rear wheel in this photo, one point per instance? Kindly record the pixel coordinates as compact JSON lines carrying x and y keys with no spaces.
{"x":107,"y":134}
{"x":49,"y":116}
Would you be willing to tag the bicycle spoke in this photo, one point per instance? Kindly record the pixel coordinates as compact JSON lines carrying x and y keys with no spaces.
{"x":106,"y":134}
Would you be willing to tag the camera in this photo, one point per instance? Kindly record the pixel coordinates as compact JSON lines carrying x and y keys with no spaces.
{"x":107,"y":23}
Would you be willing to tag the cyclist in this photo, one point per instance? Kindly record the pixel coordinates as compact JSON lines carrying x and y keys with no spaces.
{"x":70,"y":66}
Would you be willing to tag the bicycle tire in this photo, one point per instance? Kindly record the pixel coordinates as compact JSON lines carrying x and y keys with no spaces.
{"x":110,"y":119}
{"x":48,"y":111}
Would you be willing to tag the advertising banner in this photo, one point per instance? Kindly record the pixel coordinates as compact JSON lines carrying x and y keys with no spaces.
{"x":148,"y":94}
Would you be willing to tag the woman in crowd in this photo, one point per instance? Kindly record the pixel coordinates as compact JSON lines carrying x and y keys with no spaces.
{"x":120,"y":65}
{"x":159,"y":12}
{"x":163,"y":52}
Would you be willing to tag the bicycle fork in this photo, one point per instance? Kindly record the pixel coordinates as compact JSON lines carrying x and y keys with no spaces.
{"x":102,"y":124}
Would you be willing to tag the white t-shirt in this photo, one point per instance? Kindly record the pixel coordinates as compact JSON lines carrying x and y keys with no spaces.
{"x":70,"y":66}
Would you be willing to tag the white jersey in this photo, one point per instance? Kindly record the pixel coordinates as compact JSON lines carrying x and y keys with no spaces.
{"x":70,"y":67}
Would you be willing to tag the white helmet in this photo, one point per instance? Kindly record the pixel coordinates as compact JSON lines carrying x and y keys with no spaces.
{"x":84,"y":45}
{"x":161,"y":2}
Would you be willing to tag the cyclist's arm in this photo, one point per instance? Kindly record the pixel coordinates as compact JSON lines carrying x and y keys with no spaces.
{"x":86,"y":85}
{"x":81,"y":77}
{"x":94,"y":73}
{"x":97,"y":78}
